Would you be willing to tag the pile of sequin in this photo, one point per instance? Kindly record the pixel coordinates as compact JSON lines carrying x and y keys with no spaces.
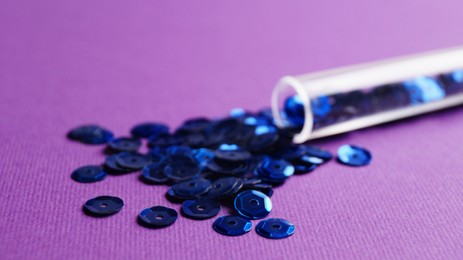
{"x":230,"y":162}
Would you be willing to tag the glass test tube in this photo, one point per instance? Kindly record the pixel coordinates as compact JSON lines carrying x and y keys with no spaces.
{"x":341,"y":100}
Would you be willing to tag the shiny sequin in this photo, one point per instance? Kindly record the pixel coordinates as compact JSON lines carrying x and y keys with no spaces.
{"x":275,"y":228}
{"x":294,"y":110}
{"x":203,"y":156}
{"x":253,"y":204}
{"x":201,"y":208}
{"x":232,"y":225}
{"x":278,"y":170}
{"x":424,"y":90}
{"x":157,"y":217}
{"x":353,"y":155}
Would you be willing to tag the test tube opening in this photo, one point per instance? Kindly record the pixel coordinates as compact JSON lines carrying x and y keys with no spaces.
{"x":290,"y":89}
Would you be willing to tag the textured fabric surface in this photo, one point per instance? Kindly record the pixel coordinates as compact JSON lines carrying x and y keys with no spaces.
{"x":117,"y":63}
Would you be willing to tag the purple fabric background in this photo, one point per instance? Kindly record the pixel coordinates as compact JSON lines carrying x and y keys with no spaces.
{"x":116,"y":63}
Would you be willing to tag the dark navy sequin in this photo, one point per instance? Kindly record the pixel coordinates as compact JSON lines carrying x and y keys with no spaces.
{"x":195,"y":140}
{"x":262,"y":142}
{"x":251,"y":181}
{"x":304,"y":168}
{"x":278,"y":170}
{"x":225,"y":168}
{"x":154,"y":173}
{"x":275,"y":228}
{"x":195,"y":125}
{"x":237,"y":155}
{"x":91,"y":134}
{"x":146,"y":130}
{"x":453,"y":82}
{"x":225,"y":187}
{"x":164,"y":140}
{"x":191,"y":189}
{"x":253,"y":204}
{"x":179,"y":150}
{"x":182,"y":170}
{"x":87,"y":174}
{"x":200,"y":208}
{"x":232,"y":225}
{"x":157,"y":217}
{"x":262,"y":187}
{"x":103,"y":205}
{"x":124,"y":144}
{"x":113,"y":167}
{"x":353,"y":155}
{"x":134,"y":161}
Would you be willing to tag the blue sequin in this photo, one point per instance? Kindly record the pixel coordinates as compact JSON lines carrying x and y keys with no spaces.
{"x":294,"y":109}
{"x":195,"y":125}
{"x":182,"y":170}
{"x":164,"y":140}
{"x":232,"y":155}
{"x":91,"y":134}
{"x":179,"y":150}
{"x":457,"y":76}
{"x":237,"y":112}
{"x":157,"y":217}
{"x":232,"y":225}
{"x":191,"y":189}
{"x":253,"y":204}
{"x":103,"y":206}
{"x":124,"y":144}
{"x":134,"y":161}
{"x":275,"y":228}
{"x":262,"y":142}
{"x":203,"y":156}
{"x":278,"y":170}
{"x":230,"y":161}
{"x":424,"y":90}
{"x":225,"y":187}
{"x":302,"y":168}
{"x":264,"y":129}
{"x":154,"y":173}
{"x":320,"y":106}
{"x":317,"y":152}
{"x":201,"y":208}
{"x":228,"y":147}
{"x":353,"y":155}
{"x":146,"y":130}
{"x":111,"y":166}
{"x":87,"y":174}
